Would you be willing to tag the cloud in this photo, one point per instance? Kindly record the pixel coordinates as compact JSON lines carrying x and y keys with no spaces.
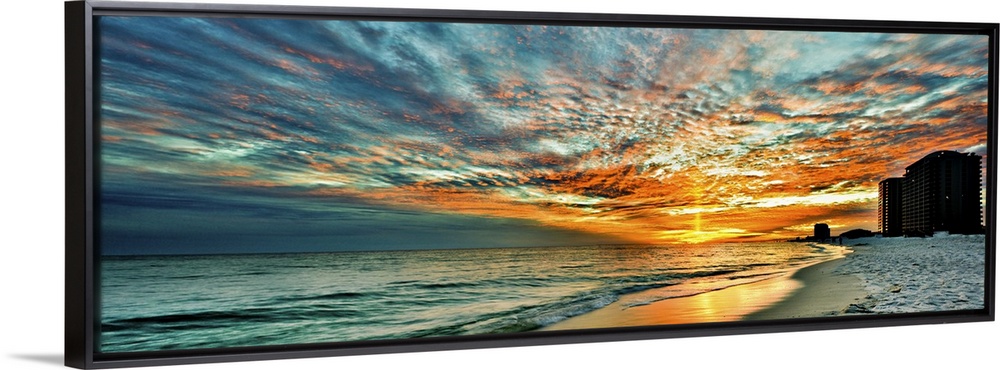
{"x":627,"y":134}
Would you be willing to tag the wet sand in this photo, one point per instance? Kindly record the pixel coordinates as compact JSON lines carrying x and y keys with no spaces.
{"x":811,"y":291}
{"x":823,"y":293}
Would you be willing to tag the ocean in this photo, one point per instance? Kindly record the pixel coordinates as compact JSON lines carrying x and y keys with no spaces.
{"x":151,"y":303}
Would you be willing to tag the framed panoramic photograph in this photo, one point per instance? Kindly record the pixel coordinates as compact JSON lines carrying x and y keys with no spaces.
{"x":263,"y":182}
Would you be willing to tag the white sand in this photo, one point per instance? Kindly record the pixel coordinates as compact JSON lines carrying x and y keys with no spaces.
{"x":901,"y":275}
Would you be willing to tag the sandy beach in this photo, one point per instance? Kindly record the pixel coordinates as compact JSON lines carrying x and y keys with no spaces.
{"x":904,"y":275}
{"x":879,"y":275}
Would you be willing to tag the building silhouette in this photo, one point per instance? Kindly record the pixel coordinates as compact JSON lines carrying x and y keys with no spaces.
{"x":821,"y":231}
{"x":890,"y":206}
{"x":940,"y":192}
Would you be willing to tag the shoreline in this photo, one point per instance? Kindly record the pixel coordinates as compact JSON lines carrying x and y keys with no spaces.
{"x":823,"y":292}
{"x":810,"y":291}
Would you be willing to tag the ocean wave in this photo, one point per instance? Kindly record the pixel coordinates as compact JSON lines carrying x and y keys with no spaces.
{"x":225,"y":318}
{"x":571,"y":267}
{"x":403,"y":282}
{"x":327,"y":296}
{"x":536,"y":317}
{"x":449,"y":285}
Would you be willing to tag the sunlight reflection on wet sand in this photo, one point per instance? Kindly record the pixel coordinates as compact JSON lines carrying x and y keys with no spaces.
{"x":729,"y":304}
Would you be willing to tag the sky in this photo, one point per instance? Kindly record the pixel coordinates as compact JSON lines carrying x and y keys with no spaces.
{"x":266,"y":135}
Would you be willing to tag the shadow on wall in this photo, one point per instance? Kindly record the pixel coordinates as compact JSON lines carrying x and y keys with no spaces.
{"x":45,"y":358}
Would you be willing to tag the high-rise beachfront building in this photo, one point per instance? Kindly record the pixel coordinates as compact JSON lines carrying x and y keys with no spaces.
{"x":890,"y":206}
{"x":821,"y":231}
{"x":941,"y":192}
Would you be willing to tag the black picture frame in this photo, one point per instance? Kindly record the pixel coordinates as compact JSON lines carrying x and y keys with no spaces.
{"x":82,"y":205}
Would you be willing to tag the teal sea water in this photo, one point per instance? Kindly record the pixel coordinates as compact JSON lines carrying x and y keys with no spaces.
{"x":151,"y":303}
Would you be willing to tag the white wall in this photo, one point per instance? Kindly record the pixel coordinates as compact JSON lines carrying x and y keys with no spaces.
{"x":31,"y":232}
